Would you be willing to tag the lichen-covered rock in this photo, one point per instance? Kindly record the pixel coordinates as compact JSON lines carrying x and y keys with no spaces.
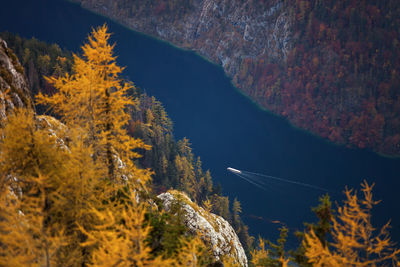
{"x":14,"y":90}
{"x":212,"y":228}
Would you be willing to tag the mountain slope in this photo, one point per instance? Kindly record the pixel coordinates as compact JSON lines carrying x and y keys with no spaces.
{"x":330,"y":68}
{"x":173,"y":163}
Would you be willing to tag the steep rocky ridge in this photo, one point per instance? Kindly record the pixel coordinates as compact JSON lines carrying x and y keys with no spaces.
{"x":328,"y":67}
{"x":225,"y":32}
{"x":213,"y":229}
{"x":14,"y":90}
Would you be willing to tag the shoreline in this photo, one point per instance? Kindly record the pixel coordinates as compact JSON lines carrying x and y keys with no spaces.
{"x":254,"y":102}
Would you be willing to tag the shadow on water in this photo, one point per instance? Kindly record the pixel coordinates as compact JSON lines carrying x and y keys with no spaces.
{"x":225,"y":128}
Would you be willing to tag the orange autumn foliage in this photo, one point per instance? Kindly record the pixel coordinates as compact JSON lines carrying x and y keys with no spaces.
{"x":95,"y":99}
{"x":355,"y":242}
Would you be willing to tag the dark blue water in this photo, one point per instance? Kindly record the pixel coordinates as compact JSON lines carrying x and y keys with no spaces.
{"x":225,"y":128}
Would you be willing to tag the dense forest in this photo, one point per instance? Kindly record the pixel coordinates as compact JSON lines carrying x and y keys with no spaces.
{"x":172,"y":162}
{"x":71,"y":192}
{"x":39,"y":59}
{"x":82,"y":193}
{"x":341,"y":77}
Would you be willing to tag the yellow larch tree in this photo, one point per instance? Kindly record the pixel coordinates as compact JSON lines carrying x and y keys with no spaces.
{"x":78,"y":192}
{"x":354,"y":240}
{"x":207,"y":205}
{"x":54,"y":182}
{"x":30,"y":163}
{"x":26,"y":151}
{"x":120,"y":236}
{"x":25,"y":237}
{"x":272,"y":255}
{"x":259,"y":256}
{"x":94,"y":98}
{"x":193,"y":253}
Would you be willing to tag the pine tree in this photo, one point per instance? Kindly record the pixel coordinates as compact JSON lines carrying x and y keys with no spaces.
{"x":322,"y":229}
{"x":236,"y":209}
{"x":220,"y":206}
{"x":186,"y":175}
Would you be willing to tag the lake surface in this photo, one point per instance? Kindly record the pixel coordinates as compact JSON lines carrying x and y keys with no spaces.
{"x":225,"y":128}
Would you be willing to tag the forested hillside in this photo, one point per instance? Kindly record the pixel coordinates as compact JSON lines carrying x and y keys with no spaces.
{"x":39,"y":59}
{"x":331,"y":68}
{"x":76,"y":190}
{"x":341,"y":77}
{"x":173,"y":163}
{"x":72,"y":192}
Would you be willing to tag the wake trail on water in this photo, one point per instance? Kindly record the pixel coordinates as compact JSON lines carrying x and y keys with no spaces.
{"x":262,"y":180}
{"x":287,"y":181}
{"x":250,"y":181}
{"x":271,"y":185}
{"x":255,"y":182}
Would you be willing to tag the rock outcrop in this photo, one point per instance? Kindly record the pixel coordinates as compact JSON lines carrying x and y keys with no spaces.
{"x":213,"y":229}
{"x":14,"y":90}
{"x":225,"y":32}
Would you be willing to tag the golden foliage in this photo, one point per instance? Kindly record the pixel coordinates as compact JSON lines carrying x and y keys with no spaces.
{"x":120,"y":237}
{"x":258,"y":256}
{"x":230,"y":262}
{"x":73,"y":201}
{"x":26,"y":150}
{"x":354,"y":240}
{"x":283,"y":261}
{"x":261,"y":257}
{"x":207,"y":205}
{"x":50,"y":181}
{"x":25,"y":239}
{"x":193,"y":253}
{"x":274,"y":255}
{"x":94,"y":99}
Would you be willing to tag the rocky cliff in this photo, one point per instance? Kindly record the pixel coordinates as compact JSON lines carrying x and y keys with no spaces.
{"x":213,"y":229}
{"x":225,"y":32}
{"x":328,"y":67}
{"x":14,"y":91}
